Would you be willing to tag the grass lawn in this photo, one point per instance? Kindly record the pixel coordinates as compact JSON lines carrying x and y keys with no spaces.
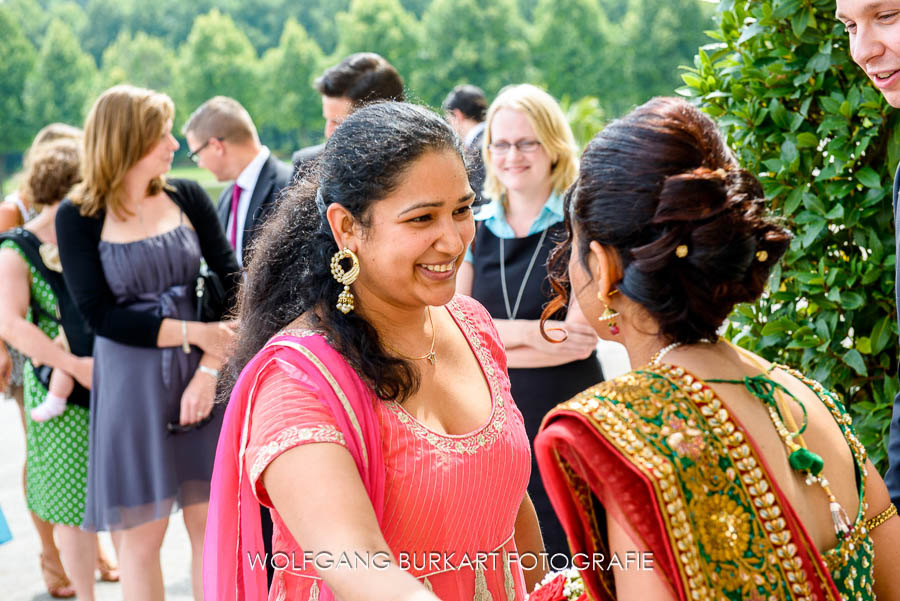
{"x":202,"y":176}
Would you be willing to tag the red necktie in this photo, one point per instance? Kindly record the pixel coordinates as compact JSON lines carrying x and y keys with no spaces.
{"x":235,"y":198}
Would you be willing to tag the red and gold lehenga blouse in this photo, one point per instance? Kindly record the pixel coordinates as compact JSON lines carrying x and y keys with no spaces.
{"x":659,"y":452}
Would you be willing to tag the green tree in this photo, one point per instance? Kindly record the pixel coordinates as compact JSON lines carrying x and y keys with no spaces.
{"x":416,"y":7}
{"x":70,"y":13}
{"x":659,"y":36}
{"x":317,"y":17}
{"x":140,"y":60}
{"x":288,"y":111}
{"x":171,"y":20}
{"x":105,"y":20}
{"x":482,"y":43}
{"x":63,"y":81}
{"x":217,"y":58}
{"x":20,"y":55}
{"x":800,"y":114}
{"x":30,"y":16}
{"x":381,"y":26}
{"x":570,"y":47}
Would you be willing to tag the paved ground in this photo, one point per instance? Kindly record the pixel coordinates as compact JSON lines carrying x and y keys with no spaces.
{"x":20,"y":577}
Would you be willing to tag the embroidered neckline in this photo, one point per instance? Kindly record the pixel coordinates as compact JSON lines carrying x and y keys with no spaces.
{"x":485,"y":434}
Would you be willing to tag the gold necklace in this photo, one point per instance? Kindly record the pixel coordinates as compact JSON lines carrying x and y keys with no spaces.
{"x":430,"y":356}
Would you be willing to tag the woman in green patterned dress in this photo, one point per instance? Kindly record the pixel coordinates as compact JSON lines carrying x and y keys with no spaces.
{"x":57,"y":450}
{"x":741,"y":479}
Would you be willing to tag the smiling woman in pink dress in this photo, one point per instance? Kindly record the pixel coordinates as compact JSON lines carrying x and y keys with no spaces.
{"x":372,"y":411}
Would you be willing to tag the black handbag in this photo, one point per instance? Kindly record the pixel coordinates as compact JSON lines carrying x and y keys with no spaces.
{"x":210,"y":295}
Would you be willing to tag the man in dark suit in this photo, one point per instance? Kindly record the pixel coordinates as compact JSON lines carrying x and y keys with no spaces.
{"x":359,"y":78}
{"x":465,"y":108}
{"x":874,"y":32}
{"x":221,"y":137}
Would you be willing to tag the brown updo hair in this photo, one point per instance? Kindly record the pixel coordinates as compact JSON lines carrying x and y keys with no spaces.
{"x":53,"y":168}
{"x":659,"y":179}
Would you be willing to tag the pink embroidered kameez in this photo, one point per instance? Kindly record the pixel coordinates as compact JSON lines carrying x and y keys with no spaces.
{"x":455,"y":496}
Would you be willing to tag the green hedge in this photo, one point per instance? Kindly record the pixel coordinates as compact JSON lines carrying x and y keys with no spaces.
{"x":797,"y":111}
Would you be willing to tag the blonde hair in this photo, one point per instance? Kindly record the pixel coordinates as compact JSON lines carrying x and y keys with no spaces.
{"x":221,"y":117}
{"x":551,"y":128}
{"x":124,"y":124}
{"x":52,"y":171}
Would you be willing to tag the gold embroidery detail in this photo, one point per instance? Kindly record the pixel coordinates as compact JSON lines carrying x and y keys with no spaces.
{"x":314,"y":591}
{"x":481,"y":590}
{"x":483,"y":437}
{"x":291,"y":437}
{"x":725,"y":528}
{"x":620,"y":426}
{"x":508,"y":583}
{"x":335,"y":387}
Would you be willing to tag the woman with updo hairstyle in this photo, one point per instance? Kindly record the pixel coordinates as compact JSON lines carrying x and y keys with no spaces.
{"x":372,"y":412}
{"x":744,"y":479}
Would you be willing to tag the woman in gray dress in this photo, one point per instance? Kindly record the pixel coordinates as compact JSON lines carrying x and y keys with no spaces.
{"x":131,"y":244}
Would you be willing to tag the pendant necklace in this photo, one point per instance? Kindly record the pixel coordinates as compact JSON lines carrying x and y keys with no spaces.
{"x":430,"y":356}
{"x":511,"y":314}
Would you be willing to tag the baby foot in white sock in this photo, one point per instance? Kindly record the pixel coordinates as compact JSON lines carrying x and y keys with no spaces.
{"x":53,"y":406}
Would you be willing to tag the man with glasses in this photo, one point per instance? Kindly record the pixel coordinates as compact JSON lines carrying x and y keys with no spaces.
{"x":222,"y":138}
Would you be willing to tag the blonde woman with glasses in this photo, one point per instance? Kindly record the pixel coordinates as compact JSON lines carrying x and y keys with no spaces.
{"x":530,"y":160}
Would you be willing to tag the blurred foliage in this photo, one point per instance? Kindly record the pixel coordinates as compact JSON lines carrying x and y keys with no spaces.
{"x":266,"y":53}
{"x":800,"y":114}
{"x":585,"y":116}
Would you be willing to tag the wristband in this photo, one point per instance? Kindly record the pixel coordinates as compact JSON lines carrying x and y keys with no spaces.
{"x":185,"y":346}
{"x":209,"y":371}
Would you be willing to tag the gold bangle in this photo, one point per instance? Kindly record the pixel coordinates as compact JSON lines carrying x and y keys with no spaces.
{"x":881,"y":518}
{"x":185,"y":345}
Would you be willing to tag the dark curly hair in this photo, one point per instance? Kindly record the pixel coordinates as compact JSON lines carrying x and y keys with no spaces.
{"x":289,"y":270}
{"x":659,"y":178}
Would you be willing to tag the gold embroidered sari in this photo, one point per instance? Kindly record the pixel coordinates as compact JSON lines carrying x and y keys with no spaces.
{"x":657,"y":451}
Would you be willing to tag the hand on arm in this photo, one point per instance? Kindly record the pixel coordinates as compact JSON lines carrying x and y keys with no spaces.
{"x":525,"y":347}
{"x":213,"y":338}
{"x":337,"y":518}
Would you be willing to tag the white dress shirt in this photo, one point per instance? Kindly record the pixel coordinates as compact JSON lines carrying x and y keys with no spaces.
{"x":247,"y":182}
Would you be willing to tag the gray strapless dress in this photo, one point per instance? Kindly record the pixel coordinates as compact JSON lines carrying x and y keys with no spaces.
{"x":138,"y":471}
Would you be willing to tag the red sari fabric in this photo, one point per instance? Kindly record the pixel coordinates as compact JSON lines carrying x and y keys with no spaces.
{"x":233,"y":532}
{"x":658,"y":452}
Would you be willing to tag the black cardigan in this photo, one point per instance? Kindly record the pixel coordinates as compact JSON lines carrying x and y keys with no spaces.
{"x":79,"y":238}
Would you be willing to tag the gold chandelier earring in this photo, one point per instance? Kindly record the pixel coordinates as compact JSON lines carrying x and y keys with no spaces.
{"x":608,"y":314}
{"x":345,"y":302}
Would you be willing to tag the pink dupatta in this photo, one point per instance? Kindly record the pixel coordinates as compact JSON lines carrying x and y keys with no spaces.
{"x":233,"y":526}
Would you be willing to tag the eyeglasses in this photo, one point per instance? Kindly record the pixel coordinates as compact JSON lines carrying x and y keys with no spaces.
{"x":522,"y":146}
{"x":195,"y":155}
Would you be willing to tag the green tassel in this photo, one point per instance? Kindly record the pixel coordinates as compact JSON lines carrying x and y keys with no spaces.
{"x":804,"y":460}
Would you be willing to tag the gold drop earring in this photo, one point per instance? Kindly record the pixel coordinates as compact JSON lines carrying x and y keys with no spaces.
{"x":608,"y":314}
{"x":345,"y":302}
